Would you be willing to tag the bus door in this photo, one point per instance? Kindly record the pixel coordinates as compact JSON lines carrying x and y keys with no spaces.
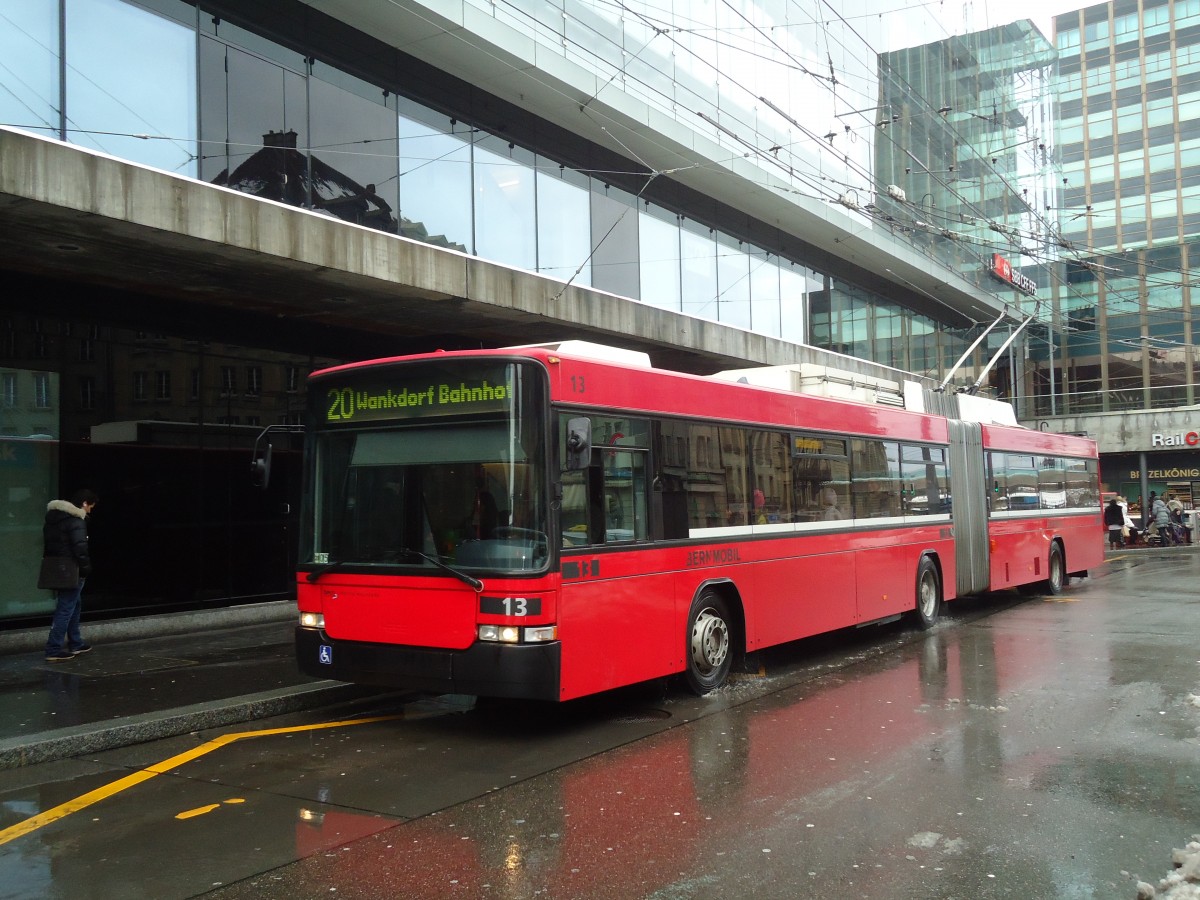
{"x":969,"y":496}
{"x":616,"y":618}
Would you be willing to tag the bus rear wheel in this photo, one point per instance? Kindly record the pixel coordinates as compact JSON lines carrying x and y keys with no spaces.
{"x":1056,"y":571}
{"x":709,"y":653}
{"x":929,"y":594}
{"x":1056,"y":576}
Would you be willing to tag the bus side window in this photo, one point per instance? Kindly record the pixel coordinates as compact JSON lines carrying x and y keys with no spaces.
{"x":668,"y":496}
{"x":582,"y":515}
{"x":625,"y":496}
{"x":574,"y":517}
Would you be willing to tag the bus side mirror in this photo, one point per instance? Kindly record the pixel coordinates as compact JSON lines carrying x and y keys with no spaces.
{"x":260,"y":469}
{"x":579,"y":443}
{"x":260,"y":466}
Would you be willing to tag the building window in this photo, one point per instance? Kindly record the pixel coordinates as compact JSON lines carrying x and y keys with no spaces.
{"x":194,"y":390}
{"x":162,"y":385}
{"x":253,"y":381}
{"x":41,"y":390}
{"x":228,"y":381}
{"x":41,"y":346}
{"x":140,"y":390}
{"x":563,"y":226}
{"x":130,"y":67}
{"x":435,"y":178}
{"x":658,"y":249}
{"x":292,"y":379}
{"x":505,"y":222}
{"x":10,"y":389}
{"x":87,"y":392}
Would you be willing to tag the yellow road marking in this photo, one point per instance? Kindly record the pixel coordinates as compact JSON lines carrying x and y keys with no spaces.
{"x":121,"y":784}
{"x":201,"y":810}
{"x":198,"y":811}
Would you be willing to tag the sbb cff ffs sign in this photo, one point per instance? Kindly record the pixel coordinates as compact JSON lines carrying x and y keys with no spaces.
{"x":1003,"y":270}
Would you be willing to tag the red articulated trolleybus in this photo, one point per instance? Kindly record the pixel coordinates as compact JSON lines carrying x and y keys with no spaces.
{"x":545,"y":523}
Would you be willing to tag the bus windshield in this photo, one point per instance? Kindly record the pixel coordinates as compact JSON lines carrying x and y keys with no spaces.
{"x":416,"y":463}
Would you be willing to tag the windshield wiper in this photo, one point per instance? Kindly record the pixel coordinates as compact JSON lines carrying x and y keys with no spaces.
{"x":312,"y":576}
{"x":466,"y":579}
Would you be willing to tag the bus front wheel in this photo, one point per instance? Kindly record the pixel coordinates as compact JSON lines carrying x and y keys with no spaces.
{"x":708,"y":643}
{"x":929,"y":594}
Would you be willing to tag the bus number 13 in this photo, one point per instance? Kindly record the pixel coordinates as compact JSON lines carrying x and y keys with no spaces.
{"x":511,"y":606}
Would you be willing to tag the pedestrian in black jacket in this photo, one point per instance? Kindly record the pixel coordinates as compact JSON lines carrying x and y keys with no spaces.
{"x":65,"y":534}
{"x":1114,"y":518}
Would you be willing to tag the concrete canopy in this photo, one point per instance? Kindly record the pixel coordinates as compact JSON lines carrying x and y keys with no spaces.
{"x":123,"y":233}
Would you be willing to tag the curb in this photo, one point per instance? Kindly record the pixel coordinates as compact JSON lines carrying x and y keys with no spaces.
{"x":48,"y":746}
{"x":29,"y":640}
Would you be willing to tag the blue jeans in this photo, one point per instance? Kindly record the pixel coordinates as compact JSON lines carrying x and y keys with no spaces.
{"x":66,"y":620}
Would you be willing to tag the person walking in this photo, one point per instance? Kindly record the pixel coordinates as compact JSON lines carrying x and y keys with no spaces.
{"x":1114,"y":518}
{"x":1175,"y":508}
{"x":1130,"y":533}
{"x":65,"y":534}
{"x":1160,"y":518}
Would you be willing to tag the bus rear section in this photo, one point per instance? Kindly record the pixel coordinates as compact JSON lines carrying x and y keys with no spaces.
{"x":1027,"y":508}
{"x":1046,"y":517}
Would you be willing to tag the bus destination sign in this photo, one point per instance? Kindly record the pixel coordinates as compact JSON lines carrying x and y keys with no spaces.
{"x":371,"y":401}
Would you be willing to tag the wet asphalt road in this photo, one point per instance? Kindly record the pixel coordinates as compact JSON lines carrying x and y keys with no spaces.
{"x":1045,"y":748}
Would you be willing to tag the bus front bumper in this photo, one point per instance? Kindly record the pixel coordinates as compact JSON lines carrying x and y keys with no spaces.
{"x":520,"y":671}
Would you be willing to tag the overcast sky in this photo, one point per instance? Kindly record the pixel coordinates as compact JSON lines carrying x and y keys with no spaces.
{"x":1042,"y":12}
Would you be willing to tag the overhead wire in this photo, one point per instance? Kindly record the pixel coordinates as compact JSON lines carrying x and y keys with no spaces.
{"x":946,"y":184}
{"x":821,"y":194}
{"x":1049,"y":226}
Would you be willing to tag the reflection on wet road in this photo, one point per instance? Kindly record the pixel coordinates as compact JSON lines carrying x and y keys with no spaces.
{"x":113,"y":788}
{"x":1045,"y":749}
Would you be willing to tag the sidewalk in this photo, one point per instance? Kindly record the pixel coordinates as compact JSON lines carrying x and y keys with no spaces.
{"x":152,"y":677}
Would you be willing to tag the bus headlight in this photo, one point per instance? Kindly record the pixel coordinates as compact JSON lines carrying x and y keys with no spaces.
{"x":505,"y":634}
{"x":512,"y":634}
{"x":312,"y":620}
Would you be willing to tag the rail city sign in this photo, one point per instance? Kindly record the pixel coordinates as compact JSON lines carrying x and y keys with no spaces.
{"x":1191,"y":439}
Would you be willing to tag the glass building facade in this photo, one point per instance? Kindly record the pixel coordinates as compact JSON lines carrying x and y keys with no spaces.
{"x":272,"y":100}
{"x":978,"y":172}
{"x":179,"y":87}
{"x":1129,"y":133}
